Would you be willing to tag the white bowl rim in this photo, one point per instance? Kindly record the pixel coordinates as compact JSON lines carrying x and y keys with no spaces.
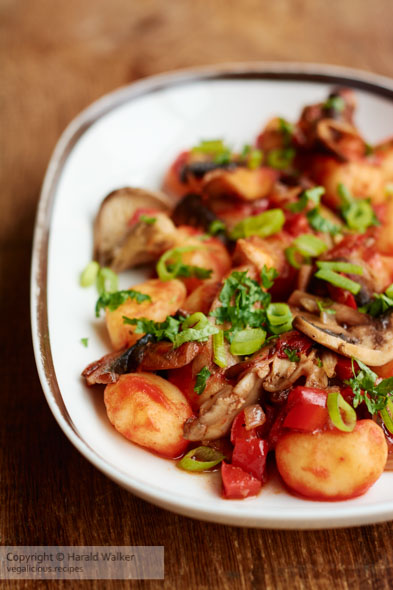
{"x":344,"y":515}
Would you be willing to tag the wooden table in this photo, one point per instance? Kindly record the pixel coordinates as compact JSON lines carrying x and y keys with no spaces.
{"x":56,"y":57}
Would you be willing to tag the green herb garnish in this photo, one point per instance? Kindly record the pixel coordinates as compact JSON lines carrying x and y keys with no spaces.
{"x":201,"y":380}
{"x":217,"y":226}
{"x":292,"y":354}
{"x":238,"y":298}
{"x":85,"y":342}
{"x":113,"y":300}
{"x":337,"y":103}
{"x":364,"y":387}
{"x":268,"y":276}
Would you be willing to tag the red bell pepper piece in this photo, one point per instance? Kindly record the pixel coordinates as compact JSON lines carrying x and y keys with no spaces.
{"x":238,"y":429}
{"x":306,"y":409}
{"x":296,"y":224}
{"x":237,"y":484}
{"x":344,"y":368}
{"x":342,"y":296}
{"x":251,"y":455}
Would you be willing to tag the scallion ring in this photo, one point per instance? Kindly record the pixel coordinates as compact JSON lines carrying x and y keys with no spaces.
{"x":200,"y":459}
{"x":354,"y":269}
{"x":265,"y":224}
{"x":342,"y":415}
{"x":359,"y":215}
{"x":107,"y":281}
{"x":89,"y":274}
{"x":296,"y":259}
{"x":248,"y":341}
{"x":174,"y":254}
{"x":338,"y":280}
{"x":310,"y":245}
{"x":197,"y":320}
{"x":219,"y":353}
{"x":278,"y":314}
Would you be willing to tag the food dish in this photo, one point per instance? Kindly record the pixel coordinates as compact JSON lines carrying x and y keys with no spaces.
{"x":217,"y":512}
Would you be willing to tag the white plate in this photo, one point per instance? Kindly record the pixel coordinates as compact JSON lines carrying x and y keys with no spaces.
{"x":129,"y":138}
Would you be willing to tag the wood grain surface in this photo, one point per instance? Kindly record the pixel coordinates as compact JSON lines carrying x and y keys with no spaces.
{"x":56,"y":57}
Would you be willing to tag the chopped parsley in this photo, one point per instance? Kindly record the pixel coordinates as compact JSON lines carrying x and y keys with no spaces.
{"x":113,"y":300}
{"x":321,"y":224}
{"x":312,"y":195}
{"x":238,"y":297}
{"x":314,"y":217}
{"x":380,"y":303}
{"x":217,"y":226}
{"x":268,"y":275}
{"x":365,"y":390}
{"x":292,"y":354}
{"x":85,"y":342}
{"x":201,"y":380}
{"x":174,"y":329}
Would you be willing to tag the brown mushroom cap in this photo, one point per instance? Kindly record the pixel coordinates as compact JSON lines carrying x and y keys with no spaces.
{"x":347,"y":332}
{"x":111,"y":226}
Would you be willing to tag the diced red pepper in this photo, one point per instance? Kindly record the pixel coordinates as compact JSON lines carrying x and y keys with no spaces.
{"x":307,"y":409}
{"x":251,"y":455}
{"x":296,"y":224}
{"x":344,"y":368}
{"x":239,"y":430}
{"x":237,"y":484}
{"x":295,"y":341}
{"x":342,"y":296}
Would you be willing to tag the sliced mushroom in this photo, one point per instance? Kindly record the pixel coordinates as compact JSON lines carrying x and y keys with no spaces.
{"x":112,"y":223}
{"x":145,"y":242}
{"x":109,"y":368}
{"x":217,"y":413}
{"x":347,"y":331}
{"x":341,"y":138}
{"x":144,"y":355}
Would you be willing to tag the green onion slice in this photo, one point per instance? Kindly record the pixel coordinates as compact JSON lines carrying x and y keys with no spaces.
{"x":89,"y":274}
{"x":280,"y":158}
{"x":359,"y":215}
{"x":310,"y":245}
{"x":279,"y":317}
{"x":354,"y":269}
{"x":341,"y":413}
{"x":338,"y":280}
{"x":254,"y":159}
{"x":200,"y":459}
{"x":263,"y":225}
{"x":197,"y":320}
{"x":219,"y":352}
{"x":107,"y":281}
{"x":294,"y":257}
{"x":248,"y":341}
{"x":164,"y":274}
{"x":387,"y":415}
